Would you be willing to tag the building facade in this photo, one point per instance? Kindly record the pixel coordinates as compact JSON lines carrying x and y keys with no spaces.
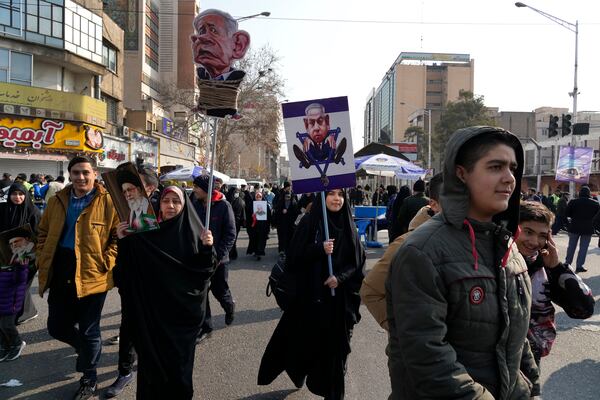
{"x":61,"y":79}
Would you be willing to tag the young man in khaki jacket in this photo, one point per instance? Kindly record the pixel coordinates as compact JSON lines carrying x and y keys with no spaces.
{"x":76,"y":252}
{"x":372,"y":291}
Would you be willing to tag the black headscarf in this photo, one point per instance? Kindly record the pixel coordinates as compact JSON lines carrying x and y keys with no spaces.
{"x":165,"y":276}
{"x":230,"y":192}
{"x":15,"y":215}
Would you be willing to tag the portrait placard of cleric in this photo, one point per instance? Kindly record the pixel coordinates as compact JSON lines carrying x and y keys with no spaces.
{"x":17,"y":248}
{"x":129,"y":197}
{"x":216,"y":44}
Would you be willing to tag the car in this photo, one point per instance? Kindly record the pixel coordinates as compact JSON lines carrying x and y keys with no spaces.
{"x":260,"y":183}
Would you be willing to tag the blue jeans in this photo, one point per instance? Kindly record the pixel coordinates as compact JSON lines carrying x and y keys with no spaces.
{"x":584,"y":242}
{"x":65,"y":311}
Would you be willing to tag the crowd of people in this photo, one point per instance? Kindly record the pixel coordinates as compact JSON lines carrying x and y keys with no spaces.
{"x":468,"y":253}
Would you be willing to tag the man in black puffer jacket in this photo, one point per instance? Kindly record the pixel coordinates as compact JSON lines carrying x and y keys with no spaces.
{"x":458,"y":293}
{"x":581,"y":211}
{"x":222,"y":226}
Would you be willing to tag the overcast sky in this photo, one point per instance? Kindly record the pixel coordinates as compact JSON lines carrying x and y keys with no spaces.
{"x":522,"y":60}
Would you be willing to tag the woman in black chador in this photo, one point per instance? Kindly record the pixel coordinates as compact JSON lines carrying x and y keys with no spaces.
{"x":312,"y":340}
{"x":163,"y":277}
{"x":258,"y":230}
{"x":284,"y":218}
{"x":17,"y":211}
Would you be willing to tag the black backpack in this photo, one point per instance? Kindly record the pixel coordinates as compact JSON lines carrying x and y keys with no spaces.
{"x":282,"y":284}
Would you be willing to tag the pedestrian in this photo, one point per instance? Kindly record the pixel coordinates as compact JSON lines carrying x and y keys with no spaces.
{"x":551,"y":280}
{"x":395,"y":224}
{"x":222,"y":226}
{"x":260,"y":229}
{"x":164,"y":285}
{"x":411,"y":205}
{"x":581,"y":212}
{"x":76,"y":252}
{"x":312,"y":340}
{"x":6,"y":180}
{"x":268,"y":195}
{"x":561,"y":214}
{"x":458,"y":294}
{"x":284,"y":218}
{"x":127,"y":355}
{"x":13,"y":284}
{"x":17,"y":211}
{"x":239,"y":213}
{"x":372,"y":291}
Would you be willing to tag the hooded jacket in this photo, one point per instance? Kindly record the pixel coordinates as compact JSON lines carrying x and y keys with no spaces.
{"x":459,"y":298}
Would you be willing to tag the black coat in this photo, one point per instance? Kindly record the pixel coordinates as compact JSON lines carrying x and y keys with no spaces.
{"x":284,"y":220}
{"x":312,"y":339}
{"x":222,"y":224}
{"x":410,"y":207}
{"x":582,"y":211}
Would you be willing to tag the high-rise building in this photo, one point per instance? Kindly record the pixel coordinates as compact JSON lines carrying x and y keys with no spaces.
{"x":160,"y":72}
{"x":415,"y":82}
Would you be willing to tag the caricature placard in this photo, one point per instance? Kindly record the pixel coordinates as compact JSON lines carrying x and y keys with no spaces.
{"x":259,"y":208}
{"x":216,"y":44}
{"x":319,"y":144}
{"x":17,"y":249}
{"x":129,"y":197}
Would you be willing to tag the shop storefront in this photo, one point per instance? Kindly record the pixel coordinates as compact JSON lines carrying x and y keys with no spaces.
{"x":116,"y":151}
{"x":174,"y":153}
{"x":44,"y":146}
{"x":144,"y":149}
{"x":42,"y":129}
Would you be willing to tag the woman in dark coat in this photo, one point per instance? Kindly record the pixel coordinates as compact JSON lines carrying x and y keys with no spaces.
{"x":312,"y":340}
{"x":164,"y":277}
{"x":284,"y":217}
{"x":260,"y":230}
{"x":239,"y":212}
{"x":395,"y":229}
{"x":19,"y":210}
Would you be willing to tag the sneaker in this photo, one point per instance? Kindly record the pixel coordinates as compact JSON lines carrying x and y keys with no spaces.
{"x":87,"y":389}
{"x":3,"y":353}
{"x":14,"y":352}
{"x":229,"y":315}
{"x":112,"y":341}
{"x":203,"y":336}
{"x":118,"y":385}
{"x":27,"y":319}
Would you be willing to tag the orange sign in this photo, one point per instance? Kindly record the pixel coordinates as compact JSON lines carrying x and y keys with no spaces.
{"x":40,"y":133}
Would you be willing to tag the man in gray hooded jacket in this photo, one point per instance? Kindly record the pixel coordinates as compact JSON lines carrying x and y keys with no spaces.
{"x":458,"y":293}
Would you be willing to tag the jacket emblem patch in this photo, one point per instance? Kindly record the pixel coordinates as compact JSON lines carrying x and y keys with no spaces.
{"x":476,"y":295}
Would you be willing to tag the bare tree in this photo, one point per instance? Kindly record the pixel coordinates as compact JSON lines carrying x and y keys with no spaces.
{"x":258,"y":104}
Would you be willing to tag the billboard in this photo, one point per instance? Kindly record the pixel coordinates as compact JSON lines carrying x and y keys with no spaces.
{"x":574,"y":164}
{"x":40,"y":133}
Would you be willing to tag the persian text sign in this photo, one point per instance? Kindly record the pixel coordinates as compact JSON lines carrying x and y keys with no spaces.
{"x":115,"y":152}
{"x":574,"y":164}
{"x":71,"y":106}
{"x":39,"y":133}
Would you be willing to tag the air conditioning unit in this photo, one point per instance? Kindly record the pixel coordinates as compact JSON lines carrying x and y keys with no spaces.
{"x":124,"y":131}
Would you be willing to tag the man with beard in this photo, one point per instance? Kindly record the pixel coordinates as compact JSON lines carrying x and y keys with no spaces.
{"x":141,"y":216}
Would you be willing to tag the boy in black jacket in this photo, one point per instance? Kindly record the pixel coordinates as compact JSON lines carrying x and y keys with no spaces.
{"x":551,"y":280}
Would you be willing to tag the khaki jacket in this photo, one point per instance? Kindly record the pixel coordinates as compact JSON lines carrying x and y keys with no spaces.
{"x":372,"y":291}
{"x":95,"y":242}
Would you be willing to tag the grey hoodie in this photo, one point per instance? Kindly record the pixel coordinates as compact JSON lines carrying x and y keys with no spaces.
{"x":459,"y":298}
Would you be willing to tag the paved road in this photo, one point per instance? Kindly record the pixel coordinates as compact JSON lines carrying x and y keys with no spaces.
{"x":226,"y":364}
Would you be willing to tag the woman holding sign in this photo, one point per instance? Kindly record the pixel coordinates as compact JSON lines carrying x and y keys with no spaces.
{"x":312,"y":340}
{"x":164,"y":281}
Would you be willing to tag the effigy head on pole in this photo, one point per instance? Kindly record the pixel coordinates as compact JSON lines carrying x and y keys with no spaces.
{"x":216,"y":44}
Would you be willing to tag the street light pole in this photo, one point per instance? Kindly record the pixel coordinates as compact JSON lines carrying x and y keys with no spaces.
{"x":262,"y":14}
{"x":573,"y":27}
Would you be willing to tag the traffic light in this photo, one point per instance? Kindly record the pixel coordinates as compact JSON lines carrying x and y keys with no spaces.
{"x":566,"y":124}
{"x":553,"y":126}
